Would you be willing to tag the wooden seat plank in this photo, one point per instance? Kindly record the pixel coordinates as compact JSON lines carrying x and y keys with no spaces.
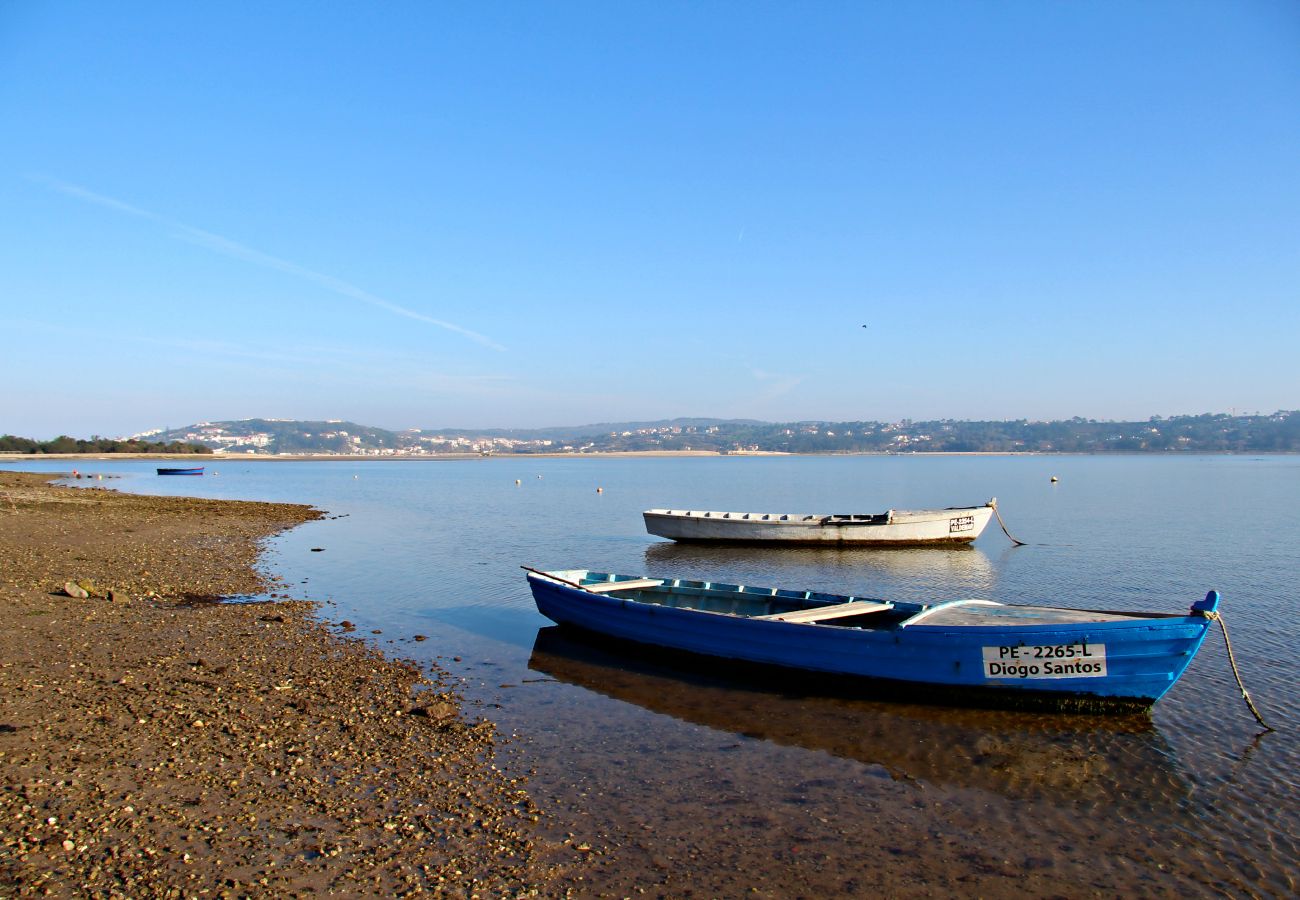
{"x":821,"y":613}
{"x":632,"y":584}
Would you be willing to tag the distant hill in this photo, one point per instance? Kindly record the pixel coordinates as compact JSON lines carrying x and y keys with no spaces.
{"x":274,"y":436}
{"x":1275,"y":433}
{"x":574,"y":432}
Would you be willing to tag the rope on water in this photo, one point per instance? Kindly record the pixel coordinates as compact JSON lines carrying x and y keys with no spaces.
{"x":994,"y":504}
{"x":1232,"y":661}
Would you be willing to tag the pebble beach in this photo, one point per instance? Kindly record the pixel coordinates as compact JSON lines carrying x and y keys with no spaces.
{"x":155,"y":742}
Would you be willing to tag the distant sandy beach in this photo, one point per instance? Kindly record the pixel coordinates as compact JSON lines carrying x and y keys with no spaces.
{"x":205,"y":459}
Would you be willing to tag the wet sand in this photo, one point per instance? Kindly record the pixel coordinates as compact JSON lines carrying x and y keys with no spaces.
{"x":156,"y":743}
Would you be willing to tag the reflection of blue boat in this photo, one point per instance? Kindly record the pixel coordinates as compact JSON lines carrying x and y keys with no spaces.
{"x":975,"y":650}
{"x":1097,"y":761}
{"x":197,"y":470}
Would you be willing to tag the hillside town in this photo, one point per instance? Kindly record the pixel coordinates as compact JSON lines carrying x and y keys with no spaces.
{"x":1255,"y":433}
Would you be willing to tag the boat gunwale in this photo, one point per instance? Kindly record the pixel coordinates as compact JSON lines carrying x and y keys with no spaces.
{"x":817,"y":520}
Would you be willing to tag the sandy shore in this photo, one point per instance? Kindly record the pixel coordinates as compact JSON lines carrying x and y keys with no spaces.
{"x":159,"y":744}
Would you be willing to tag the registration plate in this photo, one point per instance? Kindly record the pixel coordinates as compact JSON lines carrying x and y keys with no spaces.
{"x":1024,"y":661}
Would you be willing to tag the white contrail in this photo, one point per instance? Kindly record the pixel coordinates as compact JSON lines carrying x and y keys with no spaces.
{"x":777,"y":385}
{"x":219,"y":244}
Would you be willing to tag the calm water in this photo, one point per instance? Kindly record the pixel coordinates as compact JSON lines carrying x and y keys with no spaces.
{"x":701,"y":783}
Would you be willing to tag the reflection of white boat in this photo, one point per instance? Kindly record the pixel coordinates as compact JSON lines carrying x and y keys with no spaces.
{"x":944,"y":569}
{"x":892,"y":528}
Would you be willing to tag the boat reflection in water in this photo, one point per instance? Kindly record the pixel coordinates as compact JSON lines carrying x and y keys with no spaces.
{"x":944,"y":570}
{"x":1094,"y":760}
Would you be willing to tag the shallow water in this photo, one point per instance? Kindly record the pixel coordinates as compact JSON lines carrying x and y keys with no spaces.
{"x":700,"y":782}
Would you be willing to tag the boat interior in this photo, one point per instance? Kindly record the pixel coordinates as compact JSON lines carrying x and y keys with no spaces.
{"x":812,"y":607}
{"x":762,"y":517}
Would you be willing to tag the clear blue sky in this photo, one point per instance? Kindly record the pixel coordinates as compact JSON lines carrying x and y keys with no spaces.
{"x":520,"y":214}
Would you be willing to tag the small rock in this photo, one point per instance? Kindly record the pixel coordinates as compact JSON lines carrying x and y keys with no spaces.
{"x":72,"y":589}
{"x":438,"y":711}
{"x":420,"y":637}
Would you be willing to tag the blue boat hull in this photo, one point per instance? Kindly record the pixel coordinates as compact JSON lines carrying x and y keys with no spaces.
{"x":1128,"y":664}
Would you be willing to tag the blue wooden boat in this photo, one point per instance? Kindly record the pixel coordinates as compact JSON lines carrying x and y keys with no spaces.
{"x":196,"y":470}
{"x":975,"y":651}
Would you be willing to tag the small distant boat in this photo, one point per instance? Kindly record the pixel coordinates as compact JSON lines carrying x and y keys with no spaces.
{"x":196,"y":470}
{"x":893,"y":527}
{"x":976,"y":651}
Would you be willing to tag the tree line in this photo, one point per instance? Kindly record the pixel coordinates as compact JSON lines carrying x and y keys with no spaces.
{"x":64,"y":444}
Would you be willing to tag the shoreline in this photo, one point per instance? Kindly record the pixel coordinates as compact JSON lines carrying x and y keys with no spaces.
{"x":204,"y":459}
{"x":154,"y":741}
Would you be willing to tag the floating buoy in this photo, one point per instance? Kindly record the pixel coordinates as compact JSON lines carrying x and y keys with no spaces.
{"x":517,"y":481}
{"x":1054,"y":479}
{"x":600,"y":490}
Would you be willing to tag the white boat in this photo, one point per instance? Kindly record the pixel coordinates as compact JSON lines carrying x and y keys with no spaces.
{"x":891,"y":528}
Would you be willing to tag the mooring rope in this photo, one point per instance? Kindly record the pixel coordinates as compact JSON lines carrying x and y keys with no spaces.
{"x":1004,"y":525}
{"x":1232,"y":661}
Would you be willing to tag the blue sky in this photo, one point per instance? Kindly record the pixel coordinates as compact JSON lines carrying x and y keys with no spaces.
{"x":524,"y":214}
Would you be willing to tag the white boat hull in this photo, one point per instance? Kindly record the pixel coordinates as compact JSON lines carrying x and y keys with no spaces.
{"x":899,"y":528}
